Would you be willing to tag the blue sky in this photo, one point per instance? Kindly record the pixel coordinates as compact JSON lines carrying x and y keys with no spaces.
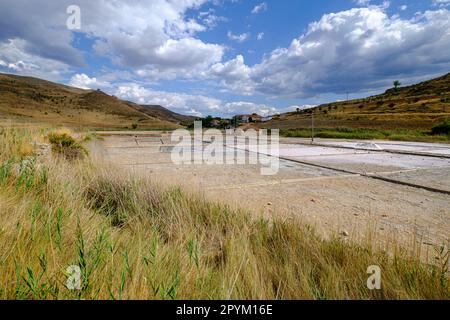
{"x":226,"y":57}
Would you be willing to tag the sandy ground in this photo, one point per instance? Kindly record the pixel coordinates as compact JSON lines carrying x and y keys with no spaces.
{"x":335,"y":202}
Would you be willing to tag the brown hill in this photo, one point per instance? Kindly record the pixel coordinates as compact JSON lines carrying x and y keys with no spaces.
{"x":163,"y":113}
{"x":419,"y":106}
{"x":25,"y":100}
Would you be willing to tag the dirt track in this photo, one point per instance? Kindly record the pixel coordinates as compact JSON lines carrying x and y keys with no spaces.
{"x":335,"y":202}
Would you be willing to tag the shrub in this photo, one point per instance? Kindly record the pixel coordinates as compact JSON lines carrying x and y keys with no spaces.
{"x":443,"y":128}
{"x":66,"y":145}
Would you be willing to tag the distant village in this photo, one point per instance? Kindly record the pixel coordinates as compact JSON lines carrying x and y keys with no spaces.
{"x":236,"y":121}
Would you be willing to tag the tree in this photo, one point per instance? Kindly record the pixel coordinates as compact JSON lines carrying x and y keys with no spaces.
{"x":207,"y":122}
{"x":236,"y":121}
{"x":397,"y":84}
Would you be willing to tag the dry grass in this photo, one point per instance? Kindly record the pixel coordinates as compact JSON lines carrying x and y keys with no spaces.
{"x":133,"y":239}
{"x":64,"y":144}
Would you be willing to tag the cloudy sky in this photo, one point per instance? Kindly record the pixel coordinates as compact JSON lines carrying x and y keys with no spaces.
{"x":224,"y":57}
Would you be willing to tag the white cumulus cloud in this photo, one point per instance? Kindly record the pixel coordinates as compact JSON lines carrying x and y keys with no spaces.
{"x":190,"y":104}
{"x":347,"y":51}
{"x":83,"y":81}
{"x":146,"y":34}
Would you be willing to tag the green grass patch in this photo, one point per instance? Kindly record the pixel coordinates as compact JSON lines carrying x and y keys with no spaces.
{"x":366,"y":134}
{"x":442,"y":128}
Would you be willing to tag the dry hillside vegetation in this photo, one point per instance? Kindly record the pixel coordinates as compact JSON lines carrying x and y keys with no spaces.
{"x":25,"y":100}
{"x":165,"y":114}
{"x":419,"y":106}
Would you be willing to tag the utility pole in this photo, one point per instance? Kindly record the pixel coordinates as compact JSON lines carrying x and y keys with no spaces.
{"x":312,"y":126}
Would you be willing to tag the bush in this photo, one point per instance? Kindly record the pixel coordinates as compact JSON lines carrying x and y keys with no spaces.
{"x":443,"y":128}
{"x":64,"y":144}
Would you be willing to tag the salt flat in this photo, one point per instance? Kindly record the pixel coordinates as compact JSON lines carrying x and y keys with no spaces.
{"x":323,"y":185}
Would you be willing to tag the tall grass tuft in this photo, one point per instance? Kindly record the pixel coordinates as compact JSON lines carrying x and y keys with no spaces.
{"x":63,"y":143}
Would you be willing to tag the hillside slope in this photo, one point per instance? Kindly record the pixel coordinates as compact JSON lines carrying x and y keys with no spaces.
{"x":419,"y":106}
{"x":163,"y":113}
{"x":25,"y":100}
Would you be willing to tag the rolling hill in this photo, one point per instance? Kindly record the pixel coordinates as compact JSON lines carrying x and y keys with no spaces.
{"x":165,"y":114}
{"x":419,"y":106}
{"x":31,"y":100}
